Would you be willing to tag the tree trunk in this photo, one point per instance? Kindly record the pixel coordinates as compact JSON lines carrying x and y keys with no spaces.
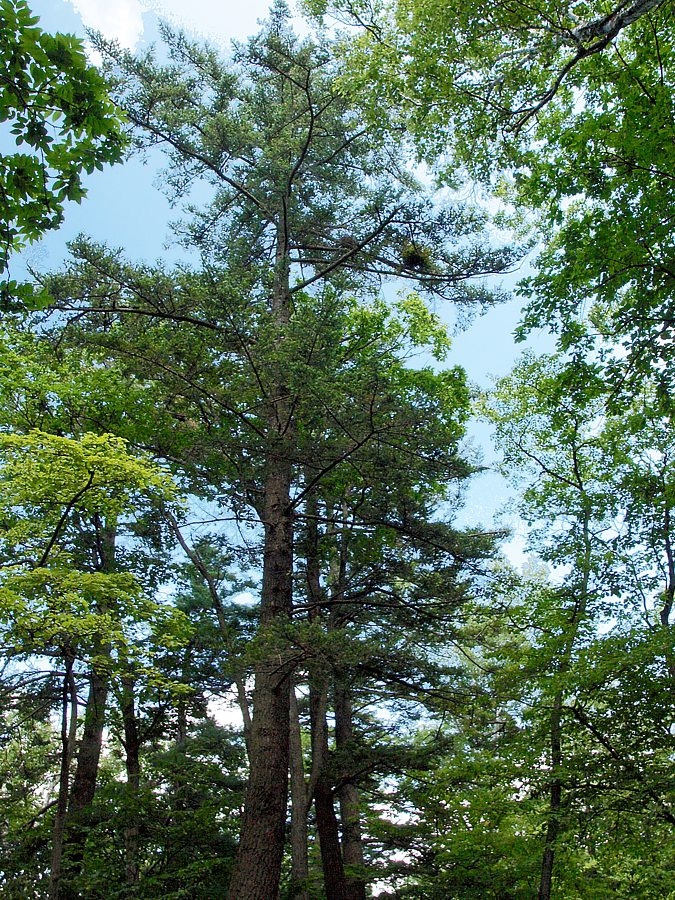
{"x":334,"y":881}
{"x":669,"y":594}
{"x":299,"y":861}
{"x":132,"y":744}
{"x":352,"y":843}
{"x":335,"y":884}
{"x":68,"y":738}
{"x":89,"y":753}
{"x":555,"y":801}
{"x":83,"y":788}
{"x":258,"y":867}
{"x":320,"y":787}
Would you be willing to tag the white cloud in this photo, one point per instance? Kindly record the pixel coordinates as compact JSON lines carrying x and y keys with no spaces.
{"x":215,"y":20}
{"x":119,"y":20}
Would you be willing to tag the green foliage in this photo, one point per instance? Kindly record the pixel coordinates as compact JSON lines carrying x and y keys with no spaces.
{"x":425,"y":326}
{"x":186,"y":804}
{"x":278,"y":350}
{"x":45,"y":473}
{"x":58,"y":111}
{"x":567,"y":111}
{"x":50,"y":487}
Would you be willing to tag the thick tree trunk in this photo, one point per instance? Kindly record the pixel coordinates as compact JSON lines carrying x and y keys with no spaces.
{"x":258,"y":867}
{"x":299,"y":860}
{"x":68,"y":738}
{"x":350,"y":815}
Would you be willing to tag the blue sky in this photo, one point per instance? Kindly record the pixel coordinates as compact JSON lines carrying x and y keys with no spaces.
{"x":125,"y":207}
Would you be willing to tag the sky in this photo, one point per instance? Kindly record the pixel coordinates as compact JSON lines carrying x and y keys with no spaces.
{"x":127,"y":21}
{"x":125,"y":208}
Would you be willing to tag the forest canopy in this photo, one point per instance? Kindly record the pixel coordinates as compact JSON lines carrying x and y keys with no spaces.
{"x":255,"y":640}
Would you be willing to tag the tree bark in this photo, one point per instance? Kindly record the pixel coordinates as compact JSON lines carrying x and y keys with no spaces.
{"x":334,"y":881}
{"x":335,"y":884}
{"x":89,"y":754}
{"x":299,"y":859}
{"x":68,"y":738}
{"x":82,"y":791}
{"x":132,"y":744}
{"x":83,"y":788}
{"x":258,"y":867}
{"x":348,"y":795}
{"x":555,"y":801}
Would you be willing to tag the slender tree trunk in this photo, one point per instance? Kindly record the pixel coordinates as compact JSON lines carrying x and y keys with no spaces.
{"x":225,"y":629}
{"x":320,"y":787}
{"x":332,"y":860}
{"x":669,"y":594}
{"x":242,"y":700}
{"x":555,"y":801}
{"x":83,"y":788}
{"x":329,"y":841}
{"x":299,"y":860}
{"x":132,"y":745}
{"x":180,"y":786}
{"x":335,"y":884}
{"x":89,"y":752}
{"x":68,"y":738}
{"x":91,"y":742}
{"x":350,"y":813}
